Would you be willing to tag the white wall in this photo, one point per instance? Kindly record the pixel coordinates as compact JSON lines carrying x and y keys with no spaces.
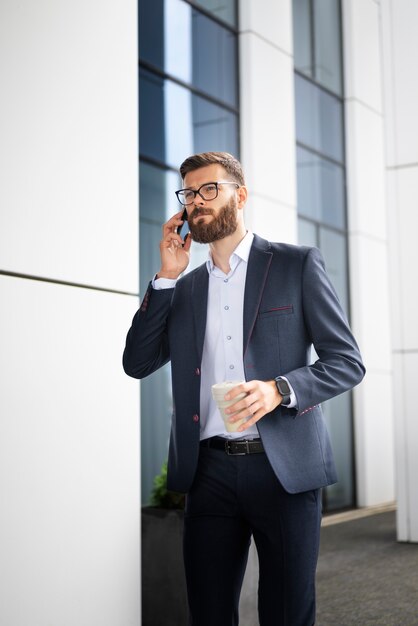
{"x":69,"y":436}
{"x":69,"y":151}
{"x":268,"y":141}
{"x":368,"y":250}
{"x":400,"y":50}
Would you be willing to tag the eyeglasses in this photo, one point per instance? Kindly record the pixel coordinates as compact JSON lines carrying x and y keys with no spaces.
{"x":208,"y":191}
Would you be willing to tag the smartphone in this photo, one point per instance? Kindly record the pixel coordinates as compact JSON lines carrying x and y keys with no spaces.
{"x":183,"y":229}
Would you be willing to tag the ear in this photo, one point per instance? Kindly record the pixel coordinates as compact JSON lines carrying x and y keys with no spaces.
{"x":242,"y":196}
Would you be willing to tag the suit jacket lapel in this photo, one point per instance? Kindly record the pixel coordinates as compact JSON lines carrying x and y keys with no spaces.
{"x":200,"y":285}
{"x":258,"y":266}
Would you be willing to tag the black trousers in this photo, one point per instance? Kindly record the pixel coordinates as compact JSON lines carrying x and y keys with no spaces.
{"x":233,"y":498}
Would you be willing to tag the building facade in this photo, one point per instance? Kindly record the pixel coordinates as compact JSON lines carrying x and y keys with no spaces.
{"x":274,"y":82}
{"x":317,"y":99}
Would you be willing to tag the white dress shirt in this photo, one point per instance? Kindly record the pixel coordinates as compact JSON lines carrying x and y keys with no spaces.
{"x":222,"y":357}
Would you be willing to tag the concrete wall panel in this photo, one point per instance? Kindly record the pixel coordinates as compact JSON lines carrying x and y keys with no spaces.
{"x":69,"y":458}
{"x":69,"y":141}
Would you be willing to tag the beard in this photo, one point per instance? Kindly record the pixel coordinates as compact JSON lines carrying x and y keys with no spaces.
{"x":222,"y":225}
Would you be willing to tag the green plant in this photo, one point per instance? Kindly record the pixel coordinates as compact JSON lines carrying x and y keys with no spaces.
{"x":163,"y":498}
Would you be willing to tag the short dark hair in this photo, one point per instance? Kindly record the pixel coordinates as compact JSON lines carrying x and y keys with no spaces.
{"x":228,"y":162}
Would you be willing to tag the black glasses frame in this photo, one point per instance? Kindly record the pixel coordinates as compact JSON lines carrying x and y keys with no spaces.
{"x":197,"y":191}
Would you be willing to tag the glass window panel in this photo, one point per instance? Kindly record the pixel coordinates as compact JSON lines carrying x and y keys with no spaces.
{"x":214,"y":59}
{"x":157,"y":204}
{"x":337,"y":413}
{"x":178,"y":123}
{"x":151,"y":32}
{"x":156,"y":407}
{"x":327,"y":40}
{"x":334,"y":249}
{"x":157,"y":199}
{"x":151,"y":115}
{"x":307,"y":233}
{"x":156,"y":401}
{"x":169,"y":137}
{"x":190,"y":46}
{"x":321,"y":191}
{"x":178,"y":49}
{"x":214,"y":128}
{"x":319,"y":119}
{"x":224,"y":10}
{"x":302,"y":39}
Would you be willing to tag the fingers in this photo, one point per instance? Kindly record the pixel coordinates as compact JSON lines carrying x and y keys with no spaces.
{"x":242,"y":387}
{"x":170,"y":239}
{"x":260,"y":400}
{"x":173,"y":223}
{"x":245,"y":407}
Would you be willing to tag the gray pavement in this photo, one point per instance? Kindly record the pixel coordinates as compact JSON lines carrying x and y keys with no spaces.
{"x":365,"y":576}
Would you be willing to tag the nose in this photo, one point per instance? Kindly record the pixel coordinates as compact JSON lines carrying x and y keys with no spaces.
{"x":199,"y":201}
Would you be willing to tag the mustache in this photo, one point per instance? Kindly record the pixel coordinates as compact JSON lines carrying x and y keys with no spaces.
{"x":197,"y":212}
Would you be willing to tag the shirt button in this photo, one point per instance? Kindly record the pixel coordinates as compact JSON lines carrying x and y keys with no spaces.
{"x":225,"y":280}
{"x":226,"y":308}
{"x":229,"y":337}
{"x":231,"y":367}
{"x":195,"y":418}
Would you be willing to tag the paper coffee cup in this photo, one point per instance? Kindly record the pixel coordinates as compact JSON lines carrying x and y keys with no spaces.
{"x":219,"y":391}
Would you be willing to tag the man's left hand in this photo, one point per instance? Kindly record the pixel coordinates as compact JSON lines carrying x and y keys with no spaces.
{"x":262,"y":397}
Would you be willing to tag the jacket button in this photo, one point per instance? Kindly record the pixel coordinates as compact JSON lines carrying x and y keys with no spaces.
{"x":197,"y":371}
{"x":195,"y":418}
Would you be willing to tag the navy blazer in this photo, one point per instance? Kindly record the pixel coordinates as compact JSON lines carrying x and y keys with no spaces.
{"x":289,"y":305}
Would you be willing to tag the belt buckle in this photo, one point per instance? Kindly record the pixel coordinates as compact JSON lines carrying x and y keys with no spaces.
{"x":230,"y":442}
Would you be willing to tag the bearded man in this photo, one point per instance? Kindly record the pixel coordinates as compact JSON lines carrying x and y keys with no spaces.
{"x":252,"y":312}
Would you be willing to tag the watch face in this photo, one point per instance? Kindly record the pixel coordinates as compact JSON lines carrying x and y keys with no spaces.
{"x":283,"y":387}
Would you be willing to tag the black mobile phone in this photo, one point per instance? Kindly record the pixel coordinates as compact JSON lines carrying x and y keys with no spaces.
{"x":183,"y":229}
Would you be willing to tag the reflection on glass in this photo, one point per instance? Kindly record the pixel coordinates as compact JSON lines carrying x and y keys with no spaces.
{"x":178,"y":125}
{"x":214,"y":59}
{"x":337,"y":413}
{"x":188,"y":45}
{"x":224,"y":10}
{"x":174,"y":123}
{"x":156,"y":399}
{"x":157,"y":204}
{"x":302,"y":40}
{"x":157,"y":200}
{"x":151,"y":115}
{"x":320,"y":186}
{"x":150,"y":31}
{"x":319,"y":119}
{"x":321,"y":59}
{"x":327,"y":39}
{"x":214,"y":128}
{"x":178,"y":40}
{"x":307,"y":235}
{"x":333,"y":247}
{"x":178,"y":50}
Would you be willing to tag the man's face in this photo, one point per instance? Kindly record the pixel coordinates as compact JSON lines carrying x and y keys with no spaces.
{"x":211,"y":220}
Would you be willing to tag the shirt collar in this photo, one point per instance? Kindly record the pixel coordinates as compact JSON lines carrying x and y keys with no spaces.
{"x":241,"y":252}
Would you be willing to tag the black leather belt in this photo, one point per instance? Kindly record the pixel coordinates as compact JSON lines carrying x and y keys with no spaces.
{"x":233,"y":446}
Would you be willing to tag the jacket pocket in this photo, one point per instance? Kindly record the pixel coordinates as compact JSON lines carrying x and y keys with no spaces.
{"x":276,"y":311}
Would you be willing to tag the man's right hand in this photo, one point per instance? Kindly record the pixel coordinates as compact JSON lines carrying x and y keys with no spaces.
{"x":174,"y":255}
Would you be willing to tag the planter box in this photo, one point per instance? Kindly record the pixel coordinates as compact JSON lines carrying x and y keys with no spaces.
{"x":164,"y":597}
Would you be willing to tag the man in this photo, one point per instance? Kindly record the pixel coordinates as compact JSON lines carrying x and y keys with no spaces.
{"x":252,"y":313}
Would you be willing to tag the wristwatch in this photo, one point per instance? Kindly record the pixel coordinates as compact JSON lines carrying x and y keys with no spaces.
{"x":284,"y":390}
